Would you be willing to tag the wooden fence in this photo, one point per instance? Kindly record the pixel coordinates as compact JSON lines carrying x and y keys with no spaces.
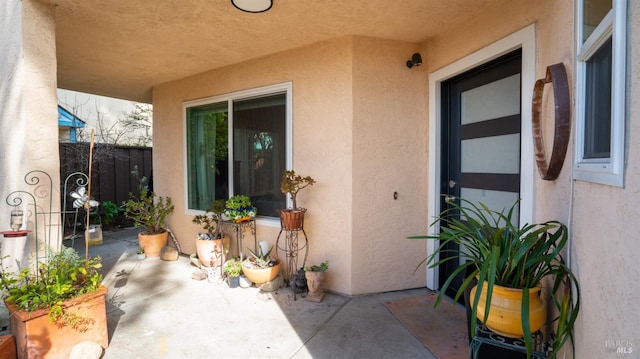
{"x":112,"y":177}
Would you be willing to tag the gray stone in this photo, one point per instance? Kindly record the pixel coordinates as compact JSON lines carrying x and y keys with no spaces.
{"x":273,"y":285}
{"x":199,"y":275}
{"x":86,"y":350}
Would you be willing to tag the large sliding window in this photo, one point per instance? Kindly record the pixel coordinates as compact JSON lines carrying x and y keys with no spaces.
{"x":207,"y":154}
{"x":238,"y":144}
{"x":600,"y":100}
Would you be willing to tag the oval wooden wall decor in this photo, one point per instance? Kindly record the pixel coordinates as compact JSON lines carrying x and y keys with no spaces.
{"x":557,"y":76}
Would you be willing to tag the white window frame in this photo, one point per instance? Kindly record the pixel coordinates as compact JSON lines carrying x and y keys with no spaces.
{"x":608,"y":171}
{"x":230,"y":98}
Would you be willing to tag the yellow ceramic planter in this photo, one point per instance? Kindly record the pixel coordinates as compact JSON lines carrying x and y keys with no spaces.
{"x":505,"y":316}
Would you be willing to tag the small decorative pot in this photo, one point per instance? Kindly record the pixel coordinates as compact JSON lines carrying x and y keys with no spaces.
{"x":233,"y":282}
{"x":141,"y":256}
{"x":315,"y":283}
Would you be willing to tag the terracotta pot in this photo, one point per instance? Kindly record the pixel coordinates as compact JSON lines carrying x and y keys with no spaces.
{"x":260,"y":275}
{"x":37,"y":337}
{"x":291,"y":219}
{"x":153,"y":243}
{"x":210,"y":251}
{"x":505,"y":315}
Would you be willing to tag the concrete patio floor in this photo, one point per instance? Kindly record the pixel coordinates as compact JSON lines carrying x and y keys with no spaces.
{"x":156,"y":310}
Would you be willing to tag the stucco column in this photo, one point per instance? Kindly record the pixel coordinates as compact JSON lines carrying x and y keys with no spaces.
{"x":28,"y":106}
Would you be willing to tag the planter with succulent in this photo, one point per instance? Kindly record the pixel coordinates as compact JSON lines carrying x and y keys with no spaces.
{"x":211,"y":246}
{"x":239,"y":209}
{"x":260,"y":268}
{"x":233,"y":268}
{"x":150,"y":212}
{"x":140,"y":253}
{"x":63,"y":298}
{"x":316,"y":276}
{"x":506,"y":259}
{"x":291,"y":183}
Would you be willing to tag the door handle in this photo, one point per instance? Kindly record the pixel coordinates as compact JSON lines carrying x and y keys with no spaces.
{"x":449,"y":199}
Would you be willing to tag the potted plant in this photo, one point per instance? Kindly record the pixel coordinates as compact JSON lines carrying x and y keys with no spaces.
{"x":511,"y":260}
{"x":233,"y":268}
{"x":261,"y":268}
{"x":62,"y":298}
{"x":211,"y":245}
{"x":150,"y":212}
{"x":316,"y":276}
{"x":239,"y":209}
{"x":140,"y":253}
{"x":291,"y":184}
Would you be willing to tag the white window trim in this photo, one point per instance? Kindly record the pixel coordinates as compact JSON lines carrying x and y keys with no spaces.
{"x":608,"y":171}
{"x":286,"y":87}
{"x":524,"y":39}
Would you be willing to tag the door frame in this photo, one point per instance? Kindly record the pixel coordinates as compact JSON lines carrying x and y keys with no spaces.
{"x":524,"y":39}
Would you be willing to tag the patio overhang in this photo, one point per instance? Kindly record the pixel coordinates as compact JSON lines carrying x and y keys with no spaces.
{"x":122,"y":48}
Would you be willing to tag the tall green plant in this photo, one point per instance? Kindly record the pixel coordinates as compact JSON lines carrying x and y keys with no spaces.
{"x":500,"y":253}
{"x":148,"y":210}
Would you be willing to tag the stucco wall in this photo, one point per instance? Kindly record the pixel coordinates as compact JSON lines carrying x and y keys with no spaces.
{"x":322,"y":112}
{"x":389,"y":155}
{"x":12,"y":155}
{"x":352,"y":221}
{"x":28,"y":115}
{"x":606,"y":239}
{"x":603,"y":243}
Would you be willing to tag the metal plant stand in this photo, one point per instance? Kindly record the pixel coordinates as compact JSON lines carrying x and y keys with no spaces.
{"x":484,"y":336}
{"x":37,"y":202}
{"x":238,"y":228}
{"x":291,"y":248}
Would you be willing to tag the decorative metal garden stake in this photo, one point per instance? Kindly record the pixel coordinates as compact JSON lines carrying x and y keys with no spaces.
{"x":88,"y":204}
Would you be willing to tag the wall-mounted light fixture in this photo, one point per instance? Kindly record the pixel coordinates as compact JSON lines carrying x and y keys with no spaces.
{"x":253,"y":6}
{"x":416,"y":60}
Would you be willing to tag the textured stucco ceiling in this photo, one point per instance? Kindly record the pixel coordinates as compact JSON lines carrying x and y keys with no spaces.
{"x":122,"y":48}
